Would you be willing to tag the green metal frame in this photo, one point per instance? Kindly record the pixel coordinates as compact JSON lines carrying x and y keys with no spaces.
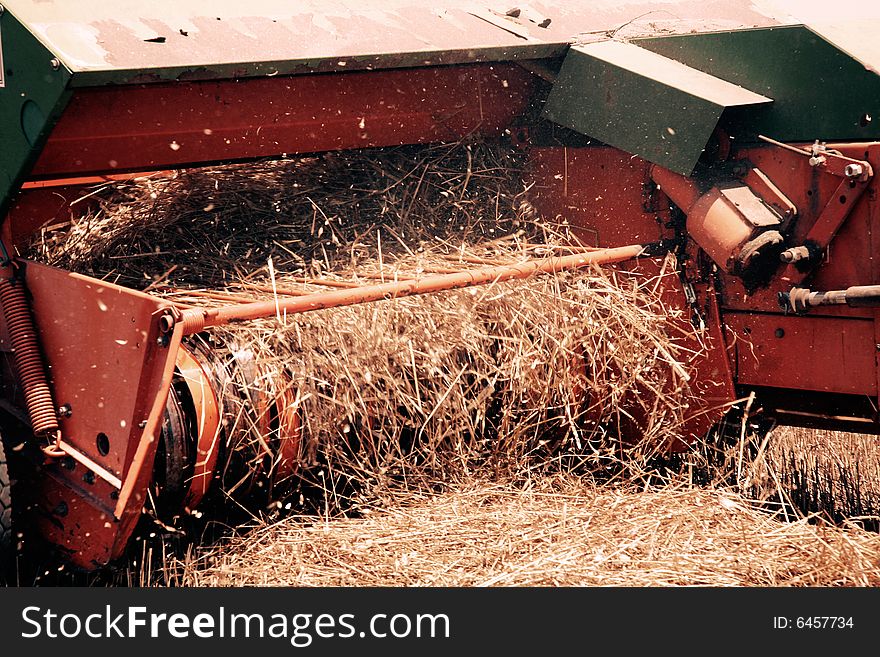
{"x":33,"y":96}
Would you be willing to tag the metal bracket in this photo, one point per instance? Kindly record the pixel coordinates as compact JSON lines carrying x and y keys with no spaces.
{"x":855,"y":175}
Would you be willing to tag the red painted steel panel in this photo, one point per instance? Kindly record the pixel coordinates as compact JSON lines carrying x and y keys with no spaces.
{"x":169,"y":125}
{"x":100,"y":343}
{"x":804,"y":353}
{"x":597,"y":190}
{"x":702,"y":352}
{"x":600,"y":192}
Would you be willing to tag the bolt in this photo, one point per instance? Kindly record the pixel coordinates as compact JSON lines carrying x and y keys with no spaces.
{"x":55,"y":63}
{"x":795,"y":254}
{"x":853,"y":170}
{"x":779,"y":333}
{"x":65,"y":410}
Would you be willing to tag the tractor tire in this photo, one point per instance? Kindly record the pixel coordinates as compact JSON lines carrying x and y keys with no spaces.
{"x":7,"y":539}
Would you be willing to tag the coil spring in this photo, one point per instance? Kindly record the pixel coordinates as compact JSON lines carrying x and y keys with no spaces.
{"x":28,"y":361}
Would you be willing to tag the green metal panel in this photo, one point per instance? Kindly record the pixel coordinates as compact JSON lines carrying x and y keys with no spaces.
{"x":641,"y":102}
{"x":819,"y":91}
{"x":32,"y":96}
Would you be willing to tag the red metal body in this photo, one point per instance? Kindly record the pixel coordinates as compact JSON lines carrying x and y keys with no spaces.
{"x":146,"y":127}
{"x":605,"y":195}
{"x":105,"y":363}
{"x":819,"y":369}
{"x":101,"y":345}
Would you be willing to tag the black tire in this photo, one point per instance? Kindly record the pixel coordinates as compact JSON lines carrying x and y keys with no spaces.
{"x":7,"y":540}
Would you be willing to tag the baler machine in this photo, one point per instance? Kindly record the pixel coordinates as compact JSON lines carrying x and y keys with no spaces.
{"x":736,"y":136}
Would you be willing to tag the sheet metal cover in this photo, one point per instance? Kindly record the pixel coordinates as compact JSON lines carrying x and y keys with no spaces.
{"x":642,"y":102}
{"x":222,"y":37}
{"x":858,"y":39}
{"x":854,"y":30}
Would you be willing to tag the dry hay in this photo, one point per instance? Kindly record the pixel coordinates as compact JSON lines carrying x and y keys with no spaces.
{"x":831,"y":473}
{"x":418,"y":389}
{"x":563,"y":532}
{"x":211,"y":226}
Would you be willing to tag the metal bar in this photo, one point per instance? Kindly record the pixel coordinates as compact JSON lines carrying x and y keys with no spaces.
{"x":89,"y":464}
{"x":834,"y":213}
{"x":830,"y":160}
{"x":197,"y":319}
{"x":131,"y":499}
{"x":788,"y":147}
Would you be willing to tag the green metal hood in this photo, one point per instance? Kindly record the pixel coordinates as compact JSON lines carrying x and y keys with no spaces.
{"x":822,"y":89}
{"x":823,"y":82}
{"x":641,"y":102}
{"x":32,"y":98}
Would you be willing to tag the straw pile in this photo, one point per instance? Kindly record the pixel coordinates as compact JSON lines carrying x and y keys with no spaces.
{"x":209,"y":227}
{"x":406,"y":392}
{"x":554,"y":532}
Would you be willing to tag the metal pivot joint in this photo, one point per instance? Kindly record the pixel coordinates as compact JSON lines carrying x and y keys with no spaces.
{"x":799,"y":300}
{"x":855,"y":176}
